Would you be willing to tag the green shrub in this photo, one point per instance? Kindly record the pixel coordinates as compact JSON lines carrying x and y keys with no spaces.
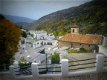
{"x":82,"y":50}
{"x":22,"y":60}
{"x":23,"y":63}
{"x":73,"y":51}
{"x":55,"y":58}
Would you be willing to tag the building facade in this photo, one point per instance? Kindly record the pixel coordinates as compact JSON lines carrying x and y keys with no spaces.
{"x":75,"y":40}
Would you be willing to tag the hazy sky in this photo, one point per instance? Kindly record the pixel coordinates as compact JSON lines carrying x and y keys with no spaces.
{"x":35,"y":9}
{"x":0,"y":5}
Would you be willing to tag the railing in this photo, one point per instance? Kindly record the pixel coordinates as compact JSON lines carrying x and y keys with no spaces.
{"x":66,"y":68}
{"x":25,"y":70}
{"x":105,"y":61}
{"x":82,"y":64}
{"x":49,"y":68}
{"x":4,"y":67}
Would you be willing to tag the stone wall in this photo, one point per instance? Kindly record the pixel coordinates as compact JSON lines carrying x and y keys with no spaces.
{"x":77,"y":45}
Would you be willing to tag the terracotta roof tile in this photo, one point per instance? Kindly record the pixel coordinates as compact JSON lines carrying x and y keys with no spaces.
{"x":74,"y":26}
{"x":79,"y":38}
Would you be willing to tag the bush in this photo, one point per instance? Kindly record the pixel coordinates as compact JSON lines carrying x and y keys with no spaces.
{"x":73,"y":51}
{"x":55,"y":58}
{"x":82,"y":50}
{"x":23,"y":63}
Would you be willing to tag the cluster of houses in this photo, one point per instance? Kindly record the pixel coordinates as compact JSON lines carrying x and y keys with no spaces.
{"x":73,"y":40}
{"x":33,"y":43}
{"x":90,"y":42}
{"x":37,"y":39}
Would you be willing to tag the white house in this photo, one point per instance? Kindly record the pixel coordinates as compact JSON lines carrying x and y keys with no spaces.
{"x":38,"y":34}
{"x":41,"y":35}
{"x":40,"y":43}
{"x":39,"y":38}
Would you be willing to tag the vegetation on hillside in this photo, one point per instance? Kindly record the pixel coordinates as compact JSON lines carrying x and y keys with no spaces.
{"x":9,"y":39}
{"x":91,"y":17}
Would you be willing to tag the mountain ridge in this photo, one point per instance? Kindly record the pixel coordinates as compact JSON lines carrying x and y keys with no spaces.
{"x":57,"y":15}
{"x":91,"y":17}
{"x":22,"y":22}
{"x":18,"y":19}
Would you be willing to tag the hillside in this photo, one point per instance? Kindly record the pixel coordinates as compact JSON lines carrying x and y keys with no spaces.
{"x":91,"y":17}
{"x":18,"y":19}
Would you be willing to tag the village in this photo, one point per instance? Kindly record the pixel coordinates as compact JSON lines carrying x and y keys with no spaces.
{"x":53,"y":40}
{"x":43,"y":55}
{"x":30,"y":47}
{"x":77,"y":54}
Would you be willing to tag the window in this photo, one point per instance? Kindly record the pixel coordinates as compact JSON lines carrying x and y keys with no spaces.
{"x":73,"y":30}
{"x":44,"y":43}
{"x":49,"y":43}
{"x":89,"y":45}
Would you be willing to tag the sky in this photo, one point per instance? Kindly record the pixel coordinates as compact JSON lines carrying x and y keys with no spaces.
{"x":35,"y":9}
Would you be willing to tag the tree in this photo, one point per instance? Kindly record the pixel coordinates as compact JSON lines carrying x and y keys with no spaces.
{"x":2,"y":17}
{"x":9,"y":40}
{"x":24,"y":34}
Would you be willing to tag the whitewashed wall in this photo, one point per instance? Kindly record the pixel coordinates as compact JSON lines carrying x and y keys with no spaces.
{"x":102,"y":49}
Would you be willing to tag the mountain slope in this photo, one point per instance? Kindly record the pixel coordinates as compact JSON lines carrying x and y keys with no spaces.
{"x":91,"y":17}
{"x":18,"y":19}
